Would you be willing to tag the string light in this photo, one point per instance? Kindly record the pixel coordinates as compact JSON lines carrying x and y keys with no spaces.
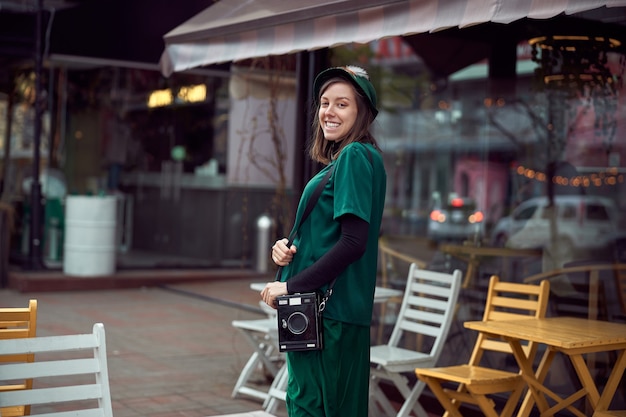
{"x":610,"y":176}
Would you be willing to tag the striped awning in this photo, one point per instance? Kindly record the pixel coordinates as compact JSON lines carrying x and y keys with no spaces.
{"x":233,"y":30}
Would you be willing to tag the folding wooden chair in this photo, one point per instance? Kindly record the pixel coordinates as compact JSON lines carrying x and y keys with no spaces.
{"x":17,"y":323}
{"x":65,"y":358}
{"x":476,"y":383}
{"x":425,"y":314}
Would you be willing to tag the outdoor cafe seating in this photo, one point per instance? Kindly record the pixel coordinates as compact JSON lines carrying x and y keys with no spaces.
{"x":572,"y":338}
{"x":475,"y":382}
{"x":266,"y":358}
{"x":66,"y":357}
{"x":426,"y":313}
{"x":18,"y":323}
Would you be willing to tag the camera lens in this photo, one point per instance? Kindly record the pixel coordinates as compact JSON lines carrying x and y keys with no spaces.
{"x":297,"y":323}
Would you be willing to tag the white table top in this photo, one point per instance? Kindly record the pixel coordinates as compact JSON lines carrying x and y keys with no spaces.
{"x":381,"y":294}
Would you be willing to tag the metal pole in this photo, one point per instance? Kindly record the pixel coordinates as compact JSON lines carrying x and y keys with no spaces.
{"x":7,"y":139}
{"x":35,"y":244}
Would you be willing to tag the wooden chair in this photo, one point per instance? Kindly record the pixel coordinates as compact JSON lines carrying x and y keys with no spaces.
{"x":65,"y":358}
{"x":426,"y":313}
{"x":19,"y":322}
{"x":476,"y":383}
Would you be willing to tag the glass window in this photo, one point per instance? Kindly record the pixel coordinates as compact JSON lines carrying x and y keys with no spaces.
{"x":597,"y":212}
{"x":526,"y":213}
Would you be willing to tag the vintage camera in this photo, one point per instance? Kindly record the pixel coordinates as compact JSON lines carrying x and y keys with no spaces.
{"x":299,"y":322}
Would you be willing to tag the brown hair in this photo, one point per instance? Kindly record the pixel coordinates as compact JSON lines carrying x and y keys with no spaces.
{"x":322,"y":150}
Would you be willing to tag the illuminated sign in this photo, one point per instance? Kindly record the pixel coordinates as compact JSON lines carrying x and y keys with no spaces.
{"x":188,"y":94}
{"x":160,"y":98}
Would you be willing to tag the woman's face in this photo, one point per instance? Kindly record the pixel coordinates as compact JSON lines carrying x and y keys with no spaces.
{"x":338,"y":111}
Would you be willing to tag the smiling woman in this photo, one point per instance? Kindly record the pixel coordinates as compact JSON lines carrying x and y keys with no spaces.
{"x":333,"y":249}
{"x":338,"y":110}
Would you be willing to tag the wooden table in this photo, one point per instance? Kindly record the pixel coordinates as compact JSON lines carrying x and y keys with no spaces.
{"x":473,"y":255}
{"x":573,"y":337}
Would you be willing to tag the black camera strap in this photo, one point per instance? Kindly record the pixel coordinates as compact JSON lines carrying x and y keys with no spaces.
{"x":312,"y":201}
{"x":307,"y":210}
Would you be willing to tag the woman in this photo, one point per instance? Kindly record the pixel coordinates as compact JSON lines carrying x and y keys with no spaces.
{"x":339,"y":239}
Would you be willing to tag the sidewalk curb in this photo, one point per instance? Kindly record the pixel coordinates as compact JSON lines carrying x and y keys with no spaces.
{"x":51,"y":280}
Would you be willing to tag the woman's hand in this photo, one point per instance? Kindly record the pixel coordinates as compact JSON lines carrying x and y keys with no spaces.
{"x":273,"y":290}
{"x":281,"y":254}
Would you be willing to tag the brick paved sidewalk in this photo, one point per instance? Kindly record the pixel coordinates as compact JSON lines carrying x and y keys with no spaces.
{"x":172,"y":350}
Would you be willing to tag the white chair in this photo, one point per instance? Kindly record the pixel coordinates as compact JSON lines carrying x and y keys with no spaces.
{"x":277,"y":393}
{"x":426,"y":313}
{"x":263,"y":337}
{"x":64,"y":358}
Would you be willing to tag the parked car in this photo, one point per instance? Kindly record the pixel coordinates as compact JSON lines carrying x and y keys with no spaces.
{"x":582,"y":222}
{"x":457,"y":220}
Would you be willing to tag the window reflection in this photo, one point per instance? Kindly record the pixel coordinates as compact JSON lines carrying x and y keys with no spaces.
{"x":543,"y":160}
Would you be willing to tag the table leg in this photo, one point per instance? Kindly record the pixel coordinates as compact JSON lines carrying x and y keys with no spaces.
{"x":533,"y":380}
{"x":472,"y":266}
{"x":584,"y":375}
{"x":592,"y":312}
{"x":589,"y":389}
{"x":612,"y":383}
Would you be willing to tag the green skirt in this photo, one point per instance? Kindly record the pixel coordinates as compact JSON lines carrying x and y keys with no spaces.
{"x":332,"y":382}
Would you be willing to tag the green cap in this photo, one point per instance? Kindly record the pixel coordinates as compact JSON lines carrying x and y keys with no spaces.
{"x":356,"y":75}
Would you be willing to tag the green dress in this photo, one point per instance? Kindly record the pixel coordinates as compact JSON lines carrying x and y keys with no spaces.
{"x":334,"y":382}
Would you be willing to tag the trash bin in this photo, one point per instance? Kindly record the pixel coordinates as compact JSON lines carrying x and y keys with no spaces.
{"x":264,"y":225}
{"x":90,"y":235}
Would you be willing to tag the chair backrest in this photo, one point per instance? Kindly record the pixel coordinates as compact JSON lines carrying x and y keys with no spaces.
{"x":595,"y":271}
{"x":394,"y":262}
{"x":62,"y":384}
{"x":18,"y":322}
{"x":620,"y":284}
{"x":427,"y":308}
{"x":510,"y":301}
